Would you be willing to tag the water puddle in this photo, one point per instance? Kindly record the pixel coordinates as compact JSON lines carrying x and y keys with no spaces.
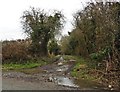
{"x":87,"y":84}
{"x":62,"y":80}
{"x":62,"y":68}
{"x":65,"y":81}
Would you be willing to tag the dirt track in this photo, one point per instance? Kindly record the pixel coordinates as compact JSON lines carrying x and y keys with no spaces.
{"x":48,"y":77}
{"x":15,"y":84}
{"x":39,"y":80}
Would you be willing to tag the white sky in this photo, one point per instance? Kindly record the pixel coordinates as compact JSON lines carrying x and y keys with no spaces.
{"x":12,"y":10}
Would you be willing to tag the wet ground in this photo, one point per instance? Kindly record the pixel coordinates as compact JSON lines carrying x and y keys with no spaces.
{"x":54,"y":76}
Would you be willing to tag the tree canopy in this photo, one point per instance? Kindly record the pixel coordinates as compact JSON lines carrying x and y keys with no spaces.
{"x":41,"y":27}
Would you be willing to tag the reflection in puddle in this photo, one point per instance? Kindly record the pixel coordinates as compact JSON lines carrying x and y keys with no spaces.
{"x":65,"y":81}
{"x":62,"y":68}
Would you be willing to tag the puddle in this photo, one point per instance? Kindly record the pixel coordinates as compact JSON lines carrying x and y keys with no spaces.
{"x":87,"y":84}
{"x":62,"y":68}
{"x":65,"y":81}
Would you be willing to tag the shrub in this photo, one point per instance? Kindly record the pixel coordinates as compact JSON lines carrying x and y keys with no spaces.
{"x":100,"y":55}
{"x":14,"y":52}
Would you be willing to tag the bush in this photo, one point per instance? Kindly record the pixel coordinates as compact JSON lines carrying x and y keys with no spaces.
{"x":14,"y":52}
{"x":100,"y":55}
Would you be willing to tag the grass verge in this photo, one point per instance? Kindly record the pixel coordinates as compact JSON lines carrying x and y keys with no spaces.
{"x":29,"y":64}
{"x":19,"y":66}
{"x":82,"y":68}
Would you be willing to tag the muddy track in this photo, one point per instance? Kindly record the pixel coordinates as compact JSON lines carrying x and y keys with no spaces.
{"x":53,"y":76}
{"x":42,"y":78}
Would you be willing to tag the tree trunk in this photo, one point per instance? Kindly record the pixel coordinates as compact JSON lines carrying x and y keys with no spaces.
{"x":44,"y":50}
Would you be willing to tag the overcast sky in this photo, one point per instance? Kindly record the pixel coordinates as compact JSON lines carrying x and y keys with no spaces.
{"x":12,"y":10}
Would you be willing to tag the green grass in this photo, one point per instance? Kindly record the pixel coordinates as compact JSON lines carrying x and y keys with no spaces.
{"x":82,"y":67}
{"x":13,"y":66}
{"x":19,"y":66}
{"x":35,"y":62}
